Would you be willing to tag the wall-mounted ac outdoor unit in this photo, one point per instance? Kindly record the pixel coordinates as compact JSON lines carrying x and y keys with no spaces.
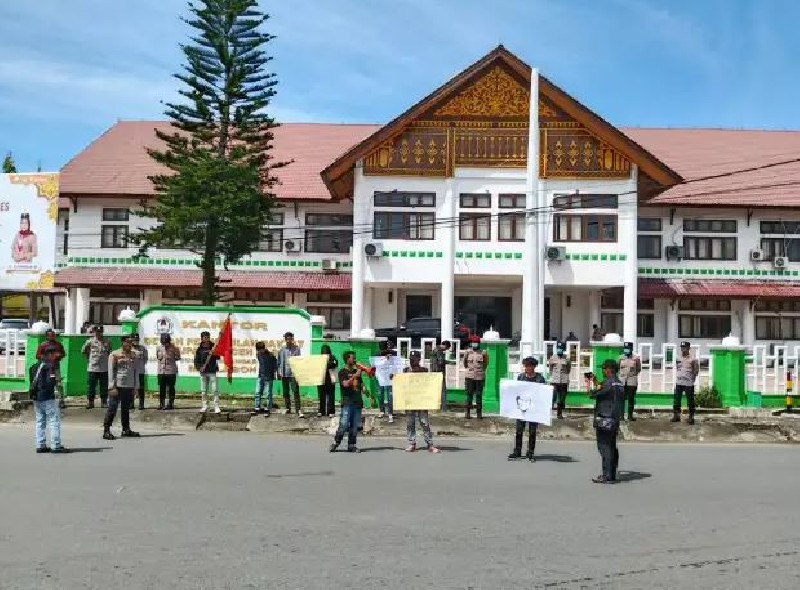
{"x":291,"y":246}
{"x":373,"y":250}
{"x":328,"y":264}
{"x":674,"y":252}
{"x":756,"y":255}
{"x":555,"y":253}
{"x":780,"y":262}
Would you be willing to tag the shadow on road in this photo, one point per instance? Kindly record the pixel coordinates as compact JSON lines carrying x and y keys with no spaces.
{"x":369,"y":449}
{"x":73,"y":450}
{"x":307,"y":474}
{"x":452,"y":449}
{"x":557,"y":458}
{"x":626,"y":476}
{"x":161,"y":434}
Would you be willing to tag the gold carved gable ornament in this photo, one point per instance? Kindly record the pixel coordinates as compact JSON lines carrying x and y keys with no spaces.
{"x":496,"y":94}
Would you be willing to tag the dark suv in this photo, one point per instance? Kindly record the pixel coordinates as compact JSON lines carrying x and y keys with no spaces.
{"x":424,"y":327}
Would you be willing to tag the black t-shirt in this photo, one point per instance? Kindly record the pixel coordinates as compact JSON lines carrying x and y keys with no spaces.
{"x":351,"y":396}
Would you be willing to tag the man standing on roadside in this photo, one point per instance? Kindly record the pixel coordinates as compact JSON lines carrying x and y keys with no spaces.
{"x":168,"y":356}
{"x":52,"y":344}
{"x":630,"y":366}
{"x":123,"y":378}
{"x":560,"y":366}
{"x":475,"y":362}
{"x":288,"y":382}
{"x":141,"y":367}
{"x":350,"y":383}
{"x":96,"y":350}
{"x":439,"y":365}
{"x":44,"y":377}
{"x":688,"y":370}
{"x":609,"y":404}
{"x":529,"y":375}
{"x":423,"y":415}
{"x":206,"y":364}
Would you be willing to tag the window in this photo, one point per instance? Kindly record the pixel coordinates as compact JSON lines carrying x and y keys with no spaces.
{"x":329,"y":297}
{"x":704,"y":326}
{"x":116,"y":214}
{"x":329,"y":241}
{"x":259,"y":295}
{"x":704,"y":248}
{"x":103,"y":312}
{"x":182,"y":294}
{"x":511,"y":227}
{"x":115,"y":293}
{"x":512,"y":201}
{"x":789,"y":247}
{"x":718,"y":226}
{"x":777,"y":328}
{"x":63,"y":223}
{"x":579,"y":201}
{"x":403,"y":226}
{"x":777,"y":306}
{"x":336,"y":318}
{"x":479,"y":201}
{"x":397,"y":199}
{"x":272,"y":236}
{"x":648,"y":247}
{"x":780,"y":227}
{"x":649,"y":224}
{"x":328,"y":219}
{"x":612,"y":323}
{"x":704,"y":305}
{"x":645,"y":325}
{"x":585,"y":228}
{"x":114,"y":236}
{"x":475,"y":227}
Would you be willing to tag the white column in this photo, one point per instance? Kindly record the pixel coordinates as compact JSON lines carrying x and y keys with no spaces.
{"x":369,"y":301}
{"x":748,"y":325}
{"x":628,"y":231}
{"x":532,"y":290}
{"x":361,"y":214}
{"x":69,"y":312}
{"x":672,"y":322}
{"x":594,"y":312}
{"x":447,"y":304}
{"x":81,"y":307}
{"x":150,"y":297}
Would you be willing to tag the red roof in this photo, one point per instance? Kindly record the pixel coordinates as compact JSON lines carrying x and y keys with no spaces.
{"x":117,"y":163}
{"x":716,"y":288}
{"x":168,"y":277}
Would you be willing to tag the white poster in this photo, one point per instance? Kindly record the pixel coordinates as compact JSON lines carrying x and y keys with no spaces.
{"x":523,"y":400}
{"x":185,"y":326}
{"x":385,"y":367}
{"x":28,"y":218}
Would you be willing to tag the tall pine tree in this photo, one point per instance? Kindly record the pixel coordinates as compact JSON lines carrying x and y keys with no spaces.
{"x":217,"y":198}
{"x":8,"y":164}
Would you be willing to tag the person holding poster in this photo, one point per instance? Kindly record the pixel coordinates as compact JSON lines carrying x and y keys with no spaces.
{"x":609,"y":405}
{"x":350,"y":382}
{"x":327,"y":391}
{"x":288,"y":382}
{"x":412,"y":415}
{"x":530,"y":375}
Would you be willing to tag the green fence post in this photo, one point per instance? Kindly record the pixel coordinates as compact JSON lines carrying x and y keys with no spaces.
{"x":497,"y":369}
{"x":129,"y":321}
{"x":602,"y":351}
{"x":729,"y":374}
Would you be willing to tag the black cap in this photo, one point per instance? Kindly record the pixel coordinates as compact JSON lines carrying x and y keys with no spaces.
{"x":686,"y":344}
{"x":610,"y":364}
{"x":529,"y":360}
{"x":414,"y":354}
{"x":288,"y":335}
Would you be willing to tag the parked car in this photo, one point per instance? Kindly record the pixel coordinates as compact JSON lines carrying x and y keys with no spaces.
{"x":11,"y":330}
{"x":423,"y":327}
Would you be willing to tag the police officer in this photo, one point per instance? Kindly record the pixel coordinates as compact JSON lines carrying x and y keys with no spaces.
{"x":123,"y":375}
{"x":630,"y":366}
{"x":560,"y":366}
{"x":530,"y":375}
{"x":141,"y":367}
{"x":609,"y":405}
{"x":475,"y":362}
{"x":688,"y":370}
{"x":96,"y":350}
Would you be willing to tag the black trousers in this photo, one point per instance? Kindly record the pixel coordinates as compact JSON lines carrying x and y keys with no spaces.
{"x":140,"y":391}
{"x":290,"y":383}
{"x":474,"y":388}
{"x":166,"y":385}
{"x":560,"y":395}
{"x":327,"y":403}
{"x":95,"y":379}
{"x":123,"y":399}
{"x":677,"y":398}
{"x":607,"y":445}
{"x":531,"y":436}
{"x":630,"y":395}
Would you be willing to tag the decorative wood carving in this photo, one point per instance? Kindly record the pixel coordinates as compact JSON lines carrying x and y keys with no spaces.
{"x":576,"y":153}
{"x":415,"y":152}
{"x":496,"y":94}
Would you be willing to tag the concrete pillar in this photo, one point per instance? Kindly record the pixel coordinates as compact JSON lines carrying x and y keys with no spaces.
{"x":532,"y":287}
{"x":369,"y":301}
{"x":672,"y":323}
{"x":150,"y":297}
{"x":81,"y":307}
{"x":447,"y":296}
{"x":594,"y":312}
{"x":69,"y":312}
{"x":361,"y":218}
{"x":627,"y":237}
{"x":748,"y":324}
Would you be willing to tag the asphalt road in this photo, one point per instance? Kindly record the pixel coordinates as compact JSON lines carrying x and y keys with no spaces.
{"x":238,"y":510}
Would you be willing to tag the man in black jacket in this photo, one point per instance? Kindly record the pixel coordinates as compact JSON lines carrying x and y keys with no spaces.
{"x":609,"y":405}
{"x":206,"y":364}
{"x":44,"y":377}
{"x":530,"y":375}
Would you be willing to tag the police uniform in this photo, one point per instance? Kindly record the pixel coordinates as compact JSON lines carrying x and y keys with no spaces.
{"x":629,"y":368}
{"x":96,"y":349}
{"x":687,"y":371}
{"x":123,"y":375}
{"x":560,"y":366}
{"x":609,"y":405}
{"x":475,"y":362}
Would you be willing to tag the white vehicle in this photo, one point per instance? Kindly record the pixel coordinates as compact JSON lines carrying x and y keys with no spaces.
{"x":13,"y":334}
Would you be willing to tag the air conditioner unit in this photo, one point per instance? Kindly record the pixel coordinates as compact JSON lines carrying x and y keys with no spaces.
{"x":756,"y":255}
{"x":780,"y":262}
{"x":373,"y":250}
{"x":291,"y":246}
{"x":555,"y":253}
{"x":674,"y":252}
{"x":328,"y":264}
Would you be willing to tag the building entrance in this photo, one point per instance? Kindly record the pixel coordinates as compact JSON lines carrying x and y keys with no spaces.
{"x":482,"y":313}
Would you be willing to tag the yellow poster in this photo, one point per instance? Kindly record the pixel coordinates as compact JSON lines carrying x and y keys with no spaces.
{"x":309,"y":370}
{"x":417,"y":391}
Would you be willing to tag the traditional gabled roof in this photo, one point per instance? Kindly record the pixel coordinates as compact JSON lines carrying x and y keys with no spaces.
{"x":338,"y":175}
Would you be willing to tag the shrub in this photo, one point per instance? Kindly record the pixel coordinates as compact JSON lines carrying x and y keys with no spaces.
{"x":708,"y":397}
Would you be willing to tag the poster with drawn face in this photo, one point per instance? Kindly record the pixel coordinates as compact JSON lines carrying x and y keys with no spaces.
{"x":522,"y":400}
{"x":28,"y":218}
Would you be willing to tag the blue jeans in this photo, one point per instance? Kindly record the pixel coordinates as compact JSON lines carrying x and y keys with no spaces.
{"x":262,"y":382}
{"x":349,"y":421}
{"x":386,"y":392}
{"x":47,"y":412}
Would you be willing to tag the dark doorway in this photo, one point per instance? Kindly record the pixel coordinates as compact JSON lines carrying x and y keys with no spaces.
{"x":548,"y":333}
{"x":483,"y":313}
{"x":419,"y":306}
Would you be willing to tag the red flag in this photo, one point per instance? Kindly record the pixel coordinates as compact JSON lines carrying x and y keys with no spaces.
{"x":224,"y":347}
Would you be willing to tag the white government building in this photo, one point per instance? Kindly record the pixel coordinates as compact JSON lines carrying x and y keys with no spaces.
{"x":441,"y":213}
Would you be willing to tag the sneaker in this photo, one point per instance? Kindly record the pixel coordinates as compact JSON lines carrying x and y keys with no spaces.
{"x":411,"y":448}
{"x":600,"y":479}
{"x":203,"y":408}
{"x":60,"y":450}
{"x":530,"y":457}
{"x":108,"y":436}
{"x":380,"y":414}
{"x":391,"y":418}
{"x":129,"y":434}
{"x":43,"y":450}
{"x":675,"y":419}
{"x":169,"y":408}
{"x":514,"y":455}
{"x":89,"y":406}
{"x":301,"y":415}
{"x":333,"y":448}
{"x":690,"y":421}
{"x":432,"y":449}
{"x":353,"y":449}
{"x":287,"y":411}
{"x":266,"y":413}
{"x":217,"y":410}
{"x":160,"y":408}
{"x":319,"y":414}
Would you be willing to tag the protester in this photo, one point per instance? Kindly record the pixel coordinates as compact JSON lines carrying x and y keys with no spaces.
{"x":288,"y":382}
{"x":168,"y":356}
{"x":439,"y":365}
{"x":207,"y":364}
{"x":609,"y":405}
{"x":630,"y":366}
{"x":560,"y":366}
{"x":44,"y":376}
{"x":123,"y":376}
{"x":422,"y":415}
{"x":51,"y":343}
{"x":327,"y":391}
{"x":688,"y":370}
{"x":96,"y":350}
{"x":385,"y":405}
{"x":267,"y":365}
{"x":530,"y":375}
{"x":142,"y":357}
{"x":350,"y":384}
{"x":475,"y":361}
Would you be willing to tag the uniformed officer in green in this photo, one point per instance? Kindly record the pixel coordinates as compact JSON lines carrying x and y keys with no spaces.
{"x":630,"y":366}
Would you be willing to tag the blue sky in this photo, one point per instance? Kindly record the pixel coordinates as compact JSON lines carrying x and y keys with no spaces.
{"x":70,"y":68}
